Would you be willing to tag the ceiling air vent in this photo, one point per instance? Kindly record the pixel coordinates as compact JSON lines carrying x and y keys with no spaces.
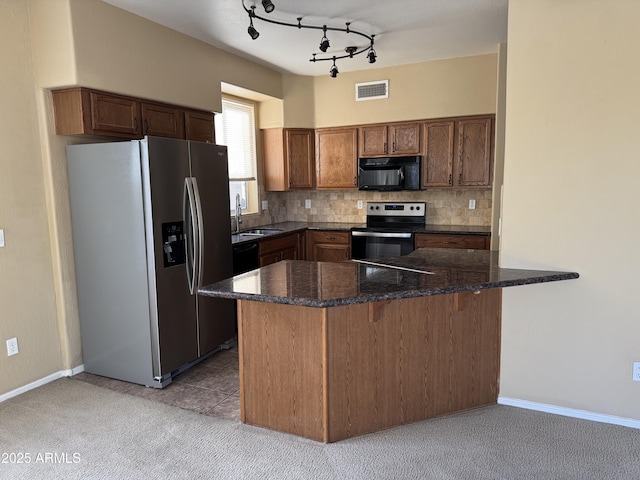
{"x":372,"y":90}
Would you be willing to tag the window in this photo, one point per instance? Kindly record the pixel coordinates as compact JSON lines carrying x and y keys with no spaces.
{"x":235,"y":128}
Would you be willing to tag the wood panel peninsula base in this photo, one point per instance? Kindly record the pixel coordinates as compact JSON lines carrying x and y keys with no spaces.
{"x":330,"y":350}
{"x":332,"y":373}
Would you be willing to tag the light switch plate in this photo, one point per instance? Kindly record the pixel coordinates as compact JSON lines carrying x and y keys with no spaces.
{"x":472,"y":204}
{"x":359,"y":204}
{"x":1,"y":237}
{"x":265,"y":205}
{"x":307,"y":203}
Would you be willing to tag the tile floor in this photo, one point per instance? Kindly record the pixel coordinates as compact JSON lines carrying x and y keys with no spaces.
{"x":210,"y":387}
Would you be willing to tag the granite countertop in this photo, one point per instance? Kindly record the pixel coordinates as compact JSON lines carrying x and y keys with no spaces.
{"x":291,"y":227}
{"x":426,"y":271}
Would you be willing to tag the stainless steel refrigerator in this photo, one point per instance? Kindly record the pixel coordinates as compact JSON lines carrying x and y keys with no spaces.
{"x":150,"y":225}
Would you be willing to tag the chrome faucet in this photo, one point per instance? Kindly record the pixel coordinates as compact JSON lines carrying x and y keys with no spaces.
{"x":238,"y":212}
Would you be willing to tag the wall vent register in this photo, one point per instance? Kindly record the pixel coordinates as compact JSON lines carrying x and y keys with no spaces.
{"x":372,"y":90}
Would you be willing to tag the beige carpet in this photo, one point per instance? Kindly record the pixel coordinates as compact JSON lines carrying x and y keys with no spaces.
{"x":73,"y":430}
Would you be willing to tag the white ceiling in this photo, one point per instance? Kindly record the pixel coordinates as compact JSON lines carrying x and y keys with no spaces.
{"x":406,"y":31}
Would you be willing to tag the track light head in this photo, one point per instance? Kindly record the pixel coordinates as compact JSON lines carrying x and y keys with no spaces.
{"x":324,"y":42}
{"x":333,"y":73}
{"x":268,"y":6}
{"x":372,"y":56}
{"x":253,"y":33}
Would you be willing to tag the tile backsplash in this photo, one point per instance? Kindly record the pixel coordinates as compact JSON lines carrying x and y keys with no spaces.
{"x":444,"y":206}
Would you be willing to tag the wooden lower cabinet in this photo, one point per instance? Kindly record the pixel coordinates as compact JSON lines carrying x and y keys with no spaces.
{"x":328,"y":246}
{"x":440,"y":240}
{"x":281,"y":248}
{"x":337,"y":372}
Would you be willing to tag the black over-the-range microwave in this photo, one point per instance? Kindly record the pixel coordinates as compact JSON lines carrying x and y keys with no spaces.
{"x":389,"y":173}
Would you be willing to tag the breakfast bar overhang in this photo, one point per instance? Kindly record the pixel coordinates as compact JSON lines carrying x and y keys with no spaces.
{"x":329,"y":351}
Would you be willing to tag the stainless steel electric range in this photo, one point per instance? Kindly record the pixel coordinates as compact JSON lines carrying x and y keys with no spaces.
{"x":389,"y":231}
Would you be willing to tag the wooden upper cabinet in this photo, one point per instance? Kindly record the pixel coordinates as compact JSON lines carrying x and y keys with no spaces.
{"x":84,"y":111}
{"x":458,"y":152}
{"x":405,"y":138}
{"x":162,"y":121}
{"x":199,"y":126}
{"x":81,"y":111}
{"x":373,"y":140}
{"x":336,"y":158}
{"x":288,"y":158}
{"x":473,"y":158}
{"x":437,"y":163}
{"x":389,"y":140}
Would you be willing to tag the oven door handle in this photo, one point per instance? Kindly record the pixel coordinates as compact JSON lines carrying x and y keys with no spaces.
{"x":382,"y":234}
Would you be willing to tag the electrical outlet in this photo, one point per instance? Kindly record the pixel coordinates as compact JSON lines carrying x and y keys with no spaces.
{"x":472,"y":204}
{"x":307,"y":203}
{"x":1,"y":237}
{"x":636,"y":371}
{"x":265,"y":205}
{"x":12,"y":346}
{"x":359,"y":204}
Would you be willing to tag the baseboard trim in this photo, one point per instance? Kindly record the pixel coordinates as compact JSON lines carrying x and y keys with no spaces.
{"x":42,"y":381}
{"x":570,"y":412}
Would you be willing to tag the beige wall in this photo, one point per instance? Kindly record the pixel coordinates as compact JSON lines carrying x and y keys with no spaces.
{"x":570,"y":202}
{"x":27,"y":293}
{"x":460,"y":86}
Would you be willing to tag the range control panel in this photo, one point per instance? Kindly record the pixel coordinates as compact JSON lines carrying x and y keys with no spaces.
{"x":396,"y":209}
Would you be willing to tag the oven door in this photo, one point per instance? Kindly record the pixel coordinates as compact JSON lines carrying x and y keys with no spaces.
{"x":380,"y":244}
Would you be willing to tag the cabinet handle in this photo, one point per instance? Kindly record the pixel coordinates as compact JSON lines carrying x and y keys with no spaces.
{"x":385,"y":147}
{"x":446,"y":242}
{"x":355,"y":180}
{"x":460,"y":179}
{"x":290,"y":182}
{"x":394,"y":147}
{"x":450,"y":179}
{"x":146,"y":126}
{"x":135,"y":125}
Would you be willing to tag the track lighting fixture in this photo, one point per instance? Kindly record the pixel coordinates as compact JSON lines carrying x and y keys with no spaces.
{"x":324,"y":41}
{"x":268,"y":6}
{"x":253,"y":33}
{"x":333,"y":73}
{"x":351,"y":50}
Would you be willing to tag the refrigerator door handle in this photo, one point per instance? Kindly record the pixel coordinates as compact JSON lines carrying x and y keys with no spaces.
{"x":199,"y":240}
{"x":191,"y":236}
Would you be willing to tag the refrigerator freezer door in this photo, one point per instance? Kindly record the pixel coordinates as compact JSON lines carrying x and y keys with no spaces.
{"x":216,"y":316}
{"x":110,"y":257}
{"x":165,"y":167}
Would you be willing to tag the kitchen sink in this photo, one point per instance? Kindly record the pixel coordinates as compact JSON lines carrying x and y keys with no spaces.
{"x":259,"y":232}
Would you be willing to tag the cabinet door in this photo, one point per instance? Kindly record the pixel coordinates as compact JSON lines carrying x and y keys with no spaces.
{"x":199,"y":126}
{"x":300,"y":157}
{"x":437,"y":164}
{"x":336,"y":158}
{"x":473,"y":160}
{"x":373,"y":141}
{"x":328,"y":252}
{"x":405,"y":139}
{"x":280,"y":248}
{"x":329,"y":246}
{"x":162,"y":121}
{"x":439,"y":240}
{"x":114,"y":114}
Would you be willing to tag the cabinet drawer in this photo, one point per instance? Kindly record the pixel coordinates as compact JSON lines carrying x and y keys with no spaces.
{"x":331,"y":237}
{"x":436,"y":240}
{"x":278,"y":244}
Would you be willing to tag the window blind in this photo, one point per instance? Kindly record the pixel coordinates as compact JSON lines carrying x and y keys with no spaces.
{"x":236,"y":128}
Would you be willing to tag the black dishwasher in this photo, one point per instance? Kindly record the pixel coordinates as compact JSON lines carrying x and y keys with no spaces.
{"x":245,"y":257}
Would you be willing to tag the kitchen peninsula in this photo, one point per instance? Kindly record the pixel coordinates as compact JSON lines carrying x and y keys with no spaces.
{"x":333,"y":350}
